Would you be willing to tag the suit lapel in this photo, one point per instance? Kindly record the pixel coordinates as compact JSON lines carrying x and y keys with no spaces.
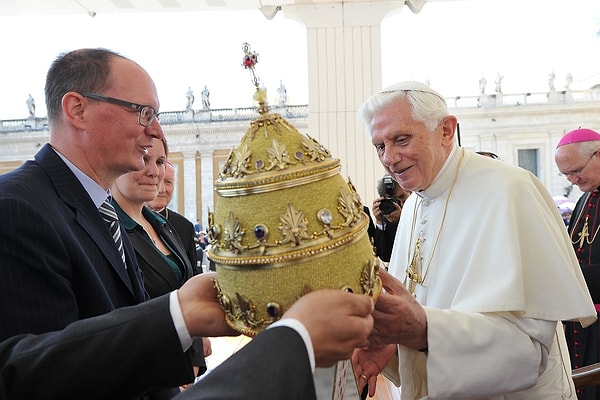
{"x":174,"y":241}
{"x":151,"y":259}
{"x":71,"y":191}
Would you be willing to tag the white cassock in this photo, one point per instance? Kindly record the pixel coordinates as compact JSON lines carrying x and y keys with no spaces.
{"x":336,"y":382}
{"x":344,"y":384}
{"x":499,"y":276}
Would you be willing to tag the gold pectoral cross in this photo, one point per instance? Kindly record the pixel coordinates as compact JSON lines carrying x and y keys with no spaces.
{"x":584,"y":234}
{"x":413,"y":270}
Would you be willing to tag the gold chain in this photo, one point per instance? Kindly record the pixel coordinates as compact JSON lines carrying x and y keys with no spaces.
{"x":584,"y":234}
{"x":414,"y":270}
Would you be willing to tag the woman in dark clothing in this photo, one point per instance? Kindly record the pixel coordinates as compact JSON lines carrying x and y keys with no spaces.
{"x":159,"y":249}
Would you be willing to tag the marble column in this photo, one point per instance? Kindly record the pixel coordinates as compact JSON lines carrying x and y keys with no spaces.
{"x":344,"y":66}
{"x":189,"y":188}
{"x":207,"y":187}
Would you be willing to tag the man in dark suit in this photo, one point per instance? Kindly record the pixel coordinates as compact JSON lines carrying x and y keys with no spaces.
{"x":74,"y":362}
{"x":387,"y":209}
{"x":58,"y":260}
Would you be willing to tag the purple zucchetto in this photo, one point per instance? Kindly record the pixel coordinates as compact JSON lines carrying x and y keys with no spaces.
{"x":579,"y":135}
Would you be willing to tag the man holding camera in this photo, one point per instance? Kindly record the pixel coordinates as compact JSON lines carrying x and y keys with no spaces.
{"x":386,"y":209}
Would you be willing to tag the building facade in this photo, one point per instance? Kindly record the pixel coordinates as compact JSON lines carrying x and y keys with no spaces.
{"x":522,"y":129}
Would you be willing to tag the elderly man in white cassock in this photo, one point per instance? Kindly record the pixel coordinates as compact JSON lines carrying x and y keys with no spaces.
{"x":483,"y":275}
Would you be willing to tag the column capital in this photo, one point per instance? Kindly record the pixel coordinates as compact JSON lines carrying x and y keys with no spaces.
{"x":345,"y":14}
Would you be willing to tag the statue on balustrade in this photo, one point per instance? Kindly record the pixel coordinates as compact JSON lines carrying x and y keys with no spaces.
{"x":568,"y":81}
{"x":482,"y":84}
{"x":190,"y":98}
{"x":282,"y":94}
{"x":551,"y":78}
{"x":31,"y":106}
{"x":498,"y":82}
{"x":205,"y":98}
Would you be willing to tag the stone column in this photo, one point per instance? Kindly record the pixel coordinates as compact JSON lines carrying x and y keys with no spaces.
{"x":344,"y":67}
{"x":189,"y":188}
{"x":206,"y":180}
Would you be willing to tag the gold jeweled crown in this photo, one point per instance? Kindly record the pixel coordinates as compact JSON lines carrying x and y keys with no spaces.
{"x":285,"y":223}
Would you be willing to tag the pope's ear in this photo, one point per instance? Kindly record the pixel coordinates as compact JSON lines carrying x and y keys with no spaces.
{"x":74,"y":107}
{"x":449,"y":124}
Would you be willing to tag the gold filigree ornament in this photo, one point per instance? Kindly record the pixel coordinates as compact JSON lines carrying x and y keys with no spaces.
{"x":285,"y":223}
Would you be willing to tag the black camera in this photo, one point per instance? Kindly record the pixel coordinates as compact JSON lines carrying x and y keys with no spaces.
{"x":386,"y":205}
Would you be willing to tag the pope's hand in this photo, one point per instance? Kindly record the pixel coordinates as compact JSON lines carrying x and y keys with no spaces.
{"x":399,"y":318}
{"x":368,"y":364}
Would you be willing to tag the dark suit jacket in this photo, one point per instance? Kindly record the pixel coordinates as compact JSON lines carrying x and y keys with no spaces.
{"x":108,"y":357}
{"x":383,"y":240}
{"x":58,"y":262}
{"x":185,"y":229}
{"x":159,"y":277}
{"x":273,"y":366}
{"x":119,"y":355}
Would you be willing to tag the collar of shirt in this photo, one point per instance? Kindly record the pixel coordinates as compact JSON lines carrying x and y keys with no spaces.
{"x":444,"y":178}
{"x":155,"y":219}
{"x":95,"y":191}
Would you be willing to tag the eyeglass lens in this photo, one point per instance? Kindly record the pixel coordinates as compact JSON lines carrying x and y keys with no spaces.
{"x":147,"y":115}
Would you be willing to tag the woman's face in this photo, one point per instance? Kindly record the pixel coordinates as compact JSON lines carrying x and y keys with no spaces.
{"x":142,"y":186}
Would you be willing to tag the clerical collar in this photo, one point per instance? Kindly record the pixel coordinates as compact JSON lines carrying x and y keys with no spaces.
{"x":444,"y":178}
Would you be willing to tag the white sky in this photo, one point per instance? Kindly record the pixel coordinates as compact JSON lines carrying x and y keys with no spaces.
{"x":451,"y":44}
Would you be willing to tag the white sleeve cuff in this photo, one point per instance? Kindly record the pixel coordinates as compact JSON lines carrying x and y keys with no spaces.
{"x":184,"y":335}
{"x":303,"y":332}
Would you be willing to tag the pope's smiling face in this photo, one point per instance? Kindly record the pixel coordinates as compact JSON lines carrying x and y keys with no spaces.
{"x":408,"y":151}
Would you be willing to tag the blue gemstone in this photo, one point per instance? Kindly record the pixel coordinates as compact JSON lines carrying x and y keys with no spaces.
{"x":273,"y":310}
{"x":260,"y":232}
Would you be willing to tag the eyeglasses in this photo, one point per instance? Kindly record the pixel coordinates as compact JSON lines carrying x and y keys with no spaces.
{"x":146,"y":114}
{"x":578,"y":171}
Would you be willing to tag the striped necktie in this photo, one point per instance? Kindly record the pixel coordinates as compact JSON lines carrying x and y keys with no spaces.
{"x":110,"y":217}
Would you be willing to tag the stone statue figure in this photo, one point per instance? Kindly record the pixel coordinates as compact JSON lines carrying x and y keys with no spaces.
{"x":190,"y":98}
{"x":482,"y":84}
{"x":282,"y":94}
{"x":568,"y":81}
{"x":205,"y":98}
{"x":31,"y":106}
{"x":551,"y":78}
{"x":498,"y":82}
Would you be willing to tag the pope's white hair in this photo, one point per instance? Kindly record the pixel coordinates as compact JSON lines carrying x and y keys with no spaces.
{"x":428,"y":106}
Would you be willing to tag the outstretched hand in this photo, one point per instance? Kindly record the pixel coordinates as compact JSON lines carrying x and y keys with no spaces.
{"x":368,"y":363}
{"x":201,"y":309}
{"x":399,"y":319}
{"x":338,"y":322}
